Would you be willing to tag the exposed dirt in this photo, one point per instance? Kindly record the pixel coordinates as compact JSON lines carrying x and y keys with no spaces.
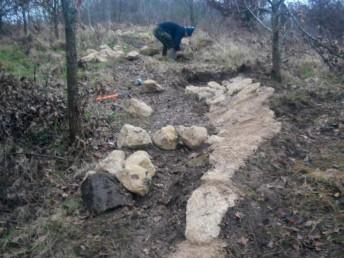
{"x":288,"y":210}
{"x":152,"y":225}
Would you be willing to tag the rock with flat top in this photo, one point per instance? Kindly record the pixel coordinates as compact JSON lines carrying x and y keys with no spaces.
{"x":151,"y":86}
{"x":166,"y":138}
{"x":216,"y":86}
{"x":138,"y":108}
{"x":193,"y":136}
{"x":100,"y":192}
{"x":133,"y":137}
{"x":149,"y":51}
{"x":133,"y":55}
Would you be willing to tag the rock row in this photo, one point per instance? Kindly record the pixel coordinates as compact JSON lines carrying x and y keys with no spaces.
{"x":105,"y":187}
{"x":239,"y":110}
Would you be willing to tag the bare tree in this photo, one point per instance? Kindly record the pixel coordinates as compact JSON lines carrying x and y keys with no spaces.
{"x":276,"y":15}
{"x":254,"y":8}
{"x":55,"y":14}
{"x":5,"y":7}
{"x":70,"y":18}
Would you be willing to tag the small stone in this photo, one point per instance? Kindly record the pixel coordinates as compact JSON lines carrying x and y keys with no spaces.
{"x":193,"y":136}
{"x":133,"y":55}
{"x":149,"y":51}
{"x":214,"y":139}
{"x":152,"y":86}
{"x":166,"y":138}
{"x":138,"y":108}
{"x":113,"y":163}
{"x":100,"y":192}
{"x":216,"y":86}
{"x":133,"y":137}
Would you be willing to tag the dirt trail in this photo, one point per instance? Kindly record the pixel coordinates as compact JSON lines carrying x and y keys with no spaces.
{"x":240,"y":114}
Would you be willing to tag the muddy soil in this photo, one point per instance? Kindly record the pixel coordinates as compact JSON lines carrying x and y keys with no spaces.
{"x":149,"y":228}
{"x":289,"y":210}
{"x":285,"y":212}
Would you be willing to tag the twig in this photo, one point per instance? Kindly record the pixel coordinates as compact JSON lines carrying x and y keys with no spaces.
{"x":257,"y":18}
{"x":39,"y":155}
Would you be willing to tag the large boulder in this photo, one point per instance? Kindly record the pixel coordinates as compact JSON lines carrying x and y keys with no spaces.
{"x":137,"y":174}
{"x":149,"y":51}
{"x":133,"y":55}
{"x":113,"y":163}
{"x":133,"y":137}
{"x":166,"y":138}
{"x":138,"y":108}
{"x":100,"y":192}
{"x":151,"y":86}
{"x":193,"y":136}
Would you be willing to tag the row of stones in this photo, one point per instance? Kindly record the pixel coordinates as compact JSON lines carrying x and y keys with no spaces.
{"x":106,"y":53}
{"x":100,"y":188}
{"x":167,"y":138}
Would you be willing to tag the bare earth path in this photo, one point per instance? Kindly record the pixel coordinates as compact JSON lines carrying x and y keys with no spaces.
{"x":239,"y":112}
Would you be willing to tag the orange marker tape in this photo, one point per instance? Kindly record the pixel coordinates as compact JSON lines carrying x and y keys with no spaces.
{"x":107,"y":97}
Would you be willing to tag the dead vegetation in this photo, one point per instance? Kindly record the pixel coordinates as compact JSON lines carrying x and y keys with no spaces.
{"x":294,"y":185}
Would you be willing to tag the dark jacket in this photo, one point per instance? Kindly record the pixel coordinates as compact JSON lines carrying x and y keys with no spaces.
{"x":176,"y":31}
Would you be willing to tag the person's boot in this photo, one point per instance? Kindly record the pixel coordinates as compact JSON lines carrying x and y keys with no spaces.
{"x":164,"y":51}
{"x":173,"y":54}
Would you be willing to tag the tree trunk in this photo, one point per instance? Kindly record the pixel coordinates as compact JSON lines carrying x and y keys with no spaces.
{"x":70,"y":18}
{"x":192,"y":12}
{"x":24,"y":21}
{"x":276,"y":52}
{"x":1,"y":25}
{"x":89,"y":14}
{"x":56,"y":19}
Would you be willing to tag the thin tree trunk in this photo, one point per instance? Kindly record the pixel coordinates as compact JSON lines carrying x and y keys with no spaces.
{"x":1,"y":25}
{"x":24,"y":21}
{"x":56,"y":19}
{"x":192,"y":12}
{"x":276,"y":52}
{"x":70,"y":17}
{"x":89,"y":14}
{"x":119,"y":16}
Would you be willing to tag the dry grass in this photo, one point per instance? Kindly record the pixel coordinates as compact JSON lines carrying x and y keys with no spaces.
{"x":225,"y":50}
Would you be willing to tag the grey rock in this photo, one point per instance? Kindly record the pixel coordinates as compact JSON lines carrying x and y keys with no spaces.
{"x":100,"y":192}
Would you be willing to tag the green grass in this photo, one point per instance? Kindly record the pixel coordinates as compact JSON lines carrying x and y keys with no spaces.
{"x":306,"y":70}
{"x":14,"y":60}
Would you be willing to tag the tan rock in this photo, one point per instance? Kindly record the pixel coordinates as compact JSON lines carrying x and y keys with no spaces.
{"x":133,"y":137}
{"x":193,"y":136}
{"x":166,"y":138}
{"x":152,"y":86}
{"x":142,"y":159}
{"x":133,"y":55}
{"x":137,"y":173}
{"x":149,"y":51}
{"x":138,"y":108}
{"x":205,"y":210}
{"x":216,"y":86}
{"x":113,"y":163}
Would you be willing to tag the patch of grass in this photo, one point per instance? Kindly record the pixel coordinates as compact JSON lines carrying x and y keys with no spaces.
{"x":71,"y":205}
{"x":14,"y":60}
{"x":306,"y":70}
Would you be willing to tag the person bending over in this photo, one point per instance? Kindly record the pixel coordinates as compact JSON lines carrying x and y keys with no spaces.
{"x":170,"y":34}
